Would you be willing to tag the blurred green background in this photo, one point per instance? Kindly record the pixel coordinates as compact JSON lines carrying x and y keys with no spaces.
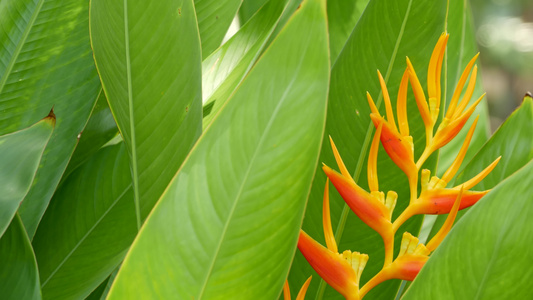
{"x":504,"y":33}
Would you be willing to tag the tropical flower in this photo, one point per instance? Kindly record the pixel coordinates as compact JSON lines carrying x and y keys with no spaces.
{"x":341,"y":271}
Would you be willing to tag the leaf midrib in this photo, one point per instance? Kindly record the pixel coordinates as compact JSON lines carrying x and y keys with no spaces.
{"x":246,"y":175}
{"x":21,"y":43}
{"x":364,"y":150}
{"x":134,"y":168}
{"x":85,"y":236}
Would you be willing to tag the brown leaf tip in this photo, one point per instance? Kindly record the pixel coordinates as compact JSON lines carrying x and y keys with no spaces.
{"x":528,"y":94}
{"x":51,"y":116}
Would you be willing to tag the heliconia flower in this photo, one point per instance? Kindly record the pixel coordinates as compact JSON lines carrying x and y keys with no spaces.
{"x":301,"y":294}
{"x":398,"y":144}
{"x":413,"y":255}
{"x":370,"y":208}
{"x":435,"y":198}
{"x":341,"y":271}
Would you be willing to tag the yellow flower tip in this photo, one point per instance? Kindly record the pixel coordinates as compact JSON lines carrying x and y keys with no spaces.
{"x":286,"y":291}
{"x":357,"y":261}
{"x":372,"y":105}
{"x":338,"y":159}
{"x":424,"y":179}
{"x":410,"y":260}
{"x":408,"y":245}
{"x":372,"y":172}
{"x":386,"y":98}
{"x":401,"y":104}
{"x":303,"y":290}
{"x":390,"y":202}
{"x":419,"y":96}
{"x":468,"y":94}
{"x":454,"y":167}
{"x":326,"y":221}
{"x":459,"y":88}
{"x":331,"y":266}
{"x":447,"y":226}
{"x":477,"y":179}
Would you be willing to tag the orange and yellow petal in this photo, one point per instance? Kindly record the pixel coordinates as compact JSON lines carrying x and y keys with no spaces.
{"x":440,"y":201}
{"x":331,"y":266}
{"x":371,"y":211}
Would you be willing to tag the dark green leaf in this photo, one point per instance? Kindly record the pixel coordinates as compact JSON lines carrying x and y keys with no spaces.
{"x":230,"y":219}
{"x":100,"y":129}
{"x":88,"y":227}
{"x":45,"y":62}
{"x":20,"y":154}
{"x":19,"y":278}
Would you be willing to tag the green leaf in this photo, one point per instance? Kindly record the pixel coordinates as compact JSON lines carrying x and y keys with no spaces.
{"x":88,"y":227}
{"x":46,"y":61}
{"x":214,"y":19}
{"x":19,"y":278}
{"x":249,"y":8}
{"x":153,"y":85}
{"x":385,"y":34}
{"x":342,"y":17}
{"x":100,"y":129}
{"x":20,"y":153}
{"x":226,"y":68}
{"x":512,"y":141}
{"x":487,"y":254}
{"x":230,"y":219}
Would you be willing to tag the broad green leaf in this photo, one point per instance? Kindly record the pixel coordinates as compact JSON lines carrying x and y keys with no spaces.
{"x":249,"y":8}
{"x":98,"y":293}
{"x":88,"y":227}
{"x":46,"y":61}
{"x":226,"y":68}
{"x":214,"y":18}
{"x":20,"y":154}
{"x":228,"y":224}
{"x":153,"y":85}
{"x":385,"y":34}
{"x":512,"y":141}
{"x":19,"y":278}
{"x":487,"y":254}
{"x":342,"y":17}
{"x":100,"y":129}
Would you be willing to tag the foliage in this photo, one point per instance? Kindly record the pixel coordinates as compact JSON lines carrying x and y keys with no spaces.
{"x":176,"y":165}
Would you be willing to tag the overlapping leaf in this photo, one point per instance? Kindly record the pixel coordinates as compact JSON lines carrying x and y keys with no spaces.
{"x":19,"y":278}
{"x":20,"y":154}
{"x":152,"y":83}
{"x":46,"y":61}
{"x":487,"y":255}
{"x":225,"y":68}
{"x":88,"y":227}
{"x":214,"y":18}
{"x":231,"y":216}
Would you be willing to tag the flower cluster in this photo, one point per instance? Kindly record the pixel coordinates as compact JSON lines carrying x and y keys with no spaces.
{"x":343,"y":270}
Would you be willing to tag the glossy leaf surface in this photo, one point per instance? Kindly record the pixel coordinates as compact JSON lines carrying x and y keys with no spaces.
{"x":152,"y":83}
{"x":214,"y":18}
{"x":19,"y":278}
{"x":230,"y":218}
{"x":88,"y":227}
{"x":342,"y":17}
{"x":225,"y":68}
{"x":45,"y":62}
{"x":20,"y":154}
{"x":487,"y":255}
